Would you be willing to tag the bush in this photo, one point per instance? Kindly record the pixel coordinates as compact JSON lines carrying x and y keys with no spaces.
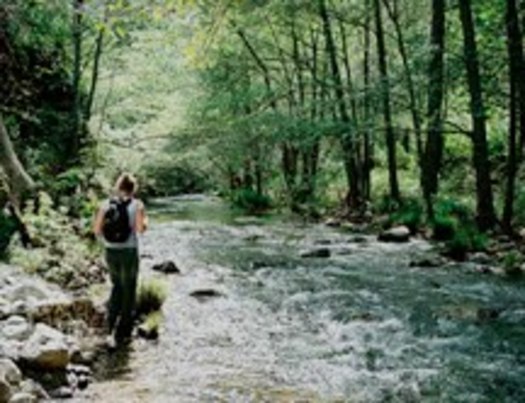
{"x":410,"y":214}
{"x":443,"y":228}
{"x":150,"y":297}
{"x":250,"y":200}
{"x":512,"y":263}
{"x":59,"y":253}
{"x":466,"y":239}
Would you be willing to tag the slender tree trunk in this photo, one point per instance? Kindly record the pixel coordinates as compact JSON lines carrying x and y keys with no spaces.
{"x":515,"y":54}
{"x":77,"y":113}
{"x":431,"y":162}
{"x":18,"y":180}
{"x":354,"y":194}
{"x":99,"y":44}
{"x":367,"y":174}
{"x":385,"y":85}
{"x":485,"y":202}
{"x":414,"y":107}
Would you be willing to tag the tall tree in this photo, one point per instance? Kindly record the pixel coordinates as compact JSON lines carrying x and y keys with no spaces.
{"x":515,"y":56}
{"x":434,"y":143}
{"x":77,"y":113}
{"x":347,"y":141}
{"x":485,"y":199}
{"x":385,"y":95}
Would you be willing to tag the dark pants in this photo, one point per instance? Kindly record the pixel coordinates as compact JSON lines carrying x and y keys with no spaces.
{"x":123,"y":267}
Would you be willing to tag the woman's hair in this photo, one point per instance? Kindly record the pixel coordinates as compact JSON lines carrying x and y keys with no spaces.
{"x":126,"y":183}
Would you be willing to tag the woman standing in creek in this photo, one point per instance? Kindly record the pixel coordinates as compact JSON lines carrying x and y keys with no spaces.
{"x":118,"y":222}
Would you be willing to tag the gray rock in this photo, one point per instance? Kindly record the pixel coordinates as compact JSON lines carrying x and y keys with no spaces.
{"x":167,"y":267}
{"x":429,"y":262}
{"x":15,"y":328}
{"x":34,"y":388}
{"x":480,"y":258}
{"x":6,"y":391}
{"x":396,"y":235}
{"x":206,"y":293}
{"x":9,"y":371}
{"x":22,"y":397}
{"x":46,"y":349}
{"x":64,"y":392}
{"x":316,"y":253}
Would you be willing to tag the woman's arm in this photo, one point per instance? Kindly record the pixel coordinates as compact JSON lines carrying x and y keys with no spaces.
{"x":141,"y":223}
{"x":98,"y":222}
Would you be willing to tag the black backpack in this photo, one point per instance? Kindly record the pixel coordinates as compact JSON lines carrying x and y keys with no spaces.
{"x":117,"y":226}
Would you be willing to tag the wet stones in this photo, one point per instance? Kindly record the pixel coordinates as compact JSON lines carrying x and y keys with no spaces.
{"x":206,"y":293}
{"x":399,"y":234}
{"x":168,"y":267}
{"x":321,"y":253}
{"x":429,"y":262}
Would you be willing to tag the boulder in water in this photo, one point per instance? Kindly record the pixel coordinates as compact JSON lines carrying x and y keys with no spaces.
{"x":429,"y":262}
{"x":168,"y":267}
{"x":316,"y":253}
{"x":395,"y":235}
{"x":206,"y":293}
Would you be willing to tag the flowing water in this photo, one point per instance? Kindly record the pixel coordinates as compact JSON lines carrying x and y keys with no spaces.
{"x":360,"y":326}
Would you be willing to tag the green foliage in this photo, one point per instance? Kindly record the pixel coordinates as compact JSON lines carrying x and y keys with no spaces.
{"x":150,"y":297}
{"x":465,"y":239}
{"x":449,"y":217}
{"x":409,"y":214}
{"x":512,"y":263}
{"x":250,"y":200}
{"x":167,"y":179}
{"x":59,"y":254}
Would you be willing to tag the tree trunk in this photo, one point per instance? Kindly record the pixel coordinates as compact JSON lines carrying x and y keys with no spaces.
{"x":385,"y":85}
{"x":485,"y":204}
{"x":414,"y":107}
{"x":18,"y":180}
{"x":77,"y":113}
{"x":367,"y":169}
{"x":99,"y":44}
{"x":354,"y":195}
{"x":515,"y":54}
{"x":434,"y":144}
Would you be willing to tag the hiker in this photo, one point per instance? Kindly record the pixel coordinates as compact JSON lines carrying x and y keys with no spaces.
{"x":117,"y":224}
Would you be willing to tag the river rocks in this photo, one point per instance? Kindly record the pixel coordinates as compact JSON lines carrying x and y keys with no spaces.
{"x":396,"y":235}
{"x":429,"y":262}
{"x":22,"y":397}
{"x":167,"y":267}
{"x":35,"y":389}
{"x":46,"y":349}
{"x":10,"y":377}
{"x":15,"y":328}
{"x":480,"y":258}
{"x":6,"y":390}
{"x":206,"y":293}
{"x":10,"y":372}
{"x":63,"y":392}
{"x":322,"y":253}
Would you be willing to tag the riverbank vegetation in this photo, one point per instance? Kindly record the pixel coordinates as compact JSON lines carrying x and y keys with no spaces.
{"x":414,"y":111}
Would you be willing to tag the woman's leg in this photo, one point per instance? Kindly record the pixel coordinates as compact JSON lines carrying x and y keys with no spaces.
{"x":115,"y":300}
{"x":129,"y":280}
